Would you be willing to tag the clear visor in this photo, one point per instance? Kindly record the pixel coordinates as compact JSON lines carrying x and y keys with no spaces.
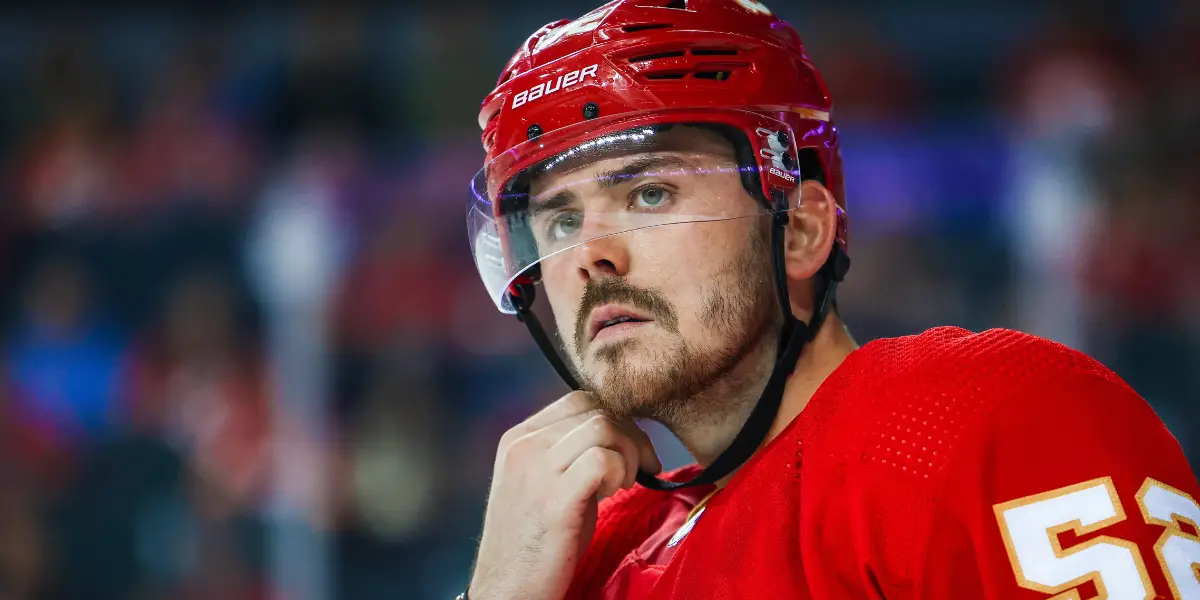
{"x":633,"y":180}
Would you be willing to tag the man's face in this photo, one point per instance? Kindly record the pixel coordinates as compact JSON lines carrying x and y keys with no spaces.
{"x":657,"y":271}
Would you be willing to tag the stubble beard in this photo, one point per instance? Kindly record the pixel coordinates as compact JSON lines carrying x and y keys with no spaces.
{"x":689,"y":384}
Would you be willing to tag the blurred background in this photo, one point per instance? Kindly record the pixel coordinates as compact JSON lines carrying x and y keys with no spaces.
{"x":244,"y":352}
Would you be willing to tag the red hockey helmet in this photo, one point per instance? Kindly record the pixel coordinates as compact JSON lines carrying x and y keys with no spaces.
{"x":632,"y":65}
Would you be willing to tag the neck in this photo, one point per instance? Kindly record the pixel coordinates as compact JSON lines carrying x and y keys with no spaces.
{"x":739,"y":393}
{"x":817,"y":362}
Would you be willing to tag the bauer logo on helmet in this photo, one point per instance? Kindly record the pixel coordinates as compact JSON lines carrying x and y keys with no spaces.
{"x":549,"y":87}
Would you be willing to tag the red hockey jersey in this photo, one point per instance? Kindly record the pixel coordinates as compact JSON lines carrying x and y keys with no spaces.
{"x":947,"y":465}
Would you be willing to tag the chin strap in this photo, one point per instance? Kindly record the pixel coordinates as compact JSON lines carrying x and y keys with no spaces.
{"x":796,"y":334}
{"x":523,"y":299}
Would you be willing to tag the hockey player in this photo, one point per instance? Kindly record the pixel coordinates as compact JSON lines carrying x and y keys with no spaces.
{"x":665,"y":174}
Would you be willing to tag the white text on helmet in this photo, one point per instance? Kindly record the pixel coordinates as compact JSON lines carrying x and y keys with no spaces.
{"x":547,"y":88}
{"x":783,"y":174}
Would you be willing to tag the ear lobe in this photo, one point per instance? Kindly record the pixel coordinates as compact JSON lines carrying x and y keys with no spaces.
{"x":810,"y":231}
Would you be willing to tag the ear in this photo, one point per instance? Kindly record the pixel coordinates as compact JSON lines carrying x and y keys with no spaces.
{"x":811,"y":229}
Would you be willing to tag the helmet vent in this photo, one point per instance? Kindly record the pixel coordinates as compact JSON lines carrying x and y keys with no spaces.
{"x":676,"y":4}
{"x":714,"y":52}
{"x":714,"y":75}
{"x":645,"y":26}
{"x":703,"y":72}
{"x":656,"y":55}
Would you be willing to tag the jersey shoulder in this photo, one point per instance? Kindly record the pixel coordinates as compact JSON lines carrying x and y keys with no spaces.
{"x":904,"y":403}
{"x":953,"y":358}
{"x":963,"y":367}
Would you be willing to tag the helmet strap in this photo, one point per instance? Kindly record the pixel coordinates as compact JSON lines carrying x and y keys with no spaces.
{"x":522,"y":296}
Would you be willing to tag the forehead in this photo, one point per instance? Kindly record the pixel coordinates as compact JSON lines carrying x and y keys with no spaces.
{"x":687,"y":146}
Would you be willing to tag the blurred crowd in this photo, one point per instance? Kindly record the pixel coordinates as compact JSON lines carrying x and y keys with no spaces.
{"x":1029,"y":167}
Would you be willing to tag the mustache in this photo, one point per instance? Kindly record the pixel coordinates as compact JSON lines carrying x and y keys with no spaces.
{"x":615,"y":290}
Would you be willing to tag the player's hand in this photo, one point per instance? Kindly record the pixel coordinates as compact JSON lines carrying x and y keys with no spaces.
{"x":551,"y":471}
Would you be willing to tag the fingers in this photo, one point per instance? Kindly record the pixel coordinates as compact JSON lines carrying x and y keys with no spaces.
{"x":534,"y":446}
{"x":648,"y":457}
{"x":599,"y":431}
{"x":579,"y":425}
{"x":572,"y":404}
{"x":554,"y":432}
{"x":598,"y":472}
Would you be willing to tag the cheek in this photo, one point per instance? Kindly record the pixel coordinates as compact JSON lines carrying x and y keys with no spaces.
{"x":562,"y":289}
{"x":684,"y":261}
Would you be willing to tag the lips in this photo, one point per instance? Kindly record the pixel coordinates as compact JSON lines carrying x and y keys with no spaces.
{"x":609,"y":315}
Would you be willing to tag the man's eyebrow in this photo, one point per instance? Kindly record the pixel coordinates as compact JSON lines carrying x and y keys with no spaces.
{"x":555,"y":202}
{"x":610,"y":179}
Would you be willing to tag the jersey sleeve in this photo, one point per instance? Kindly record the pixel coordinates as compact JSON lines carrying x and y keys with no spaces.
{"x":1072,"y":483}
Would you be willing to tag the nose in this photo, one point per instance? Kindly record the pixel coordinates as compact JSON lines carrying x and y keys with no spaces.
{"x":606,"y":256}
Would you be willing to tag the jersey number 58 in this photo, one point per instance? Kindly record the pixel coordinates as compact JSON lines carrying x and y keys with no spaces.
{"x":1031,"y":526}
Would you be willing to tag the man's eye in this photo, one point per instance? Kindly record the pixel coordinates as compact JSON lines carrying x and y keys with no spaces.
{"x":564,"y":225}
{"x":649,"y":197}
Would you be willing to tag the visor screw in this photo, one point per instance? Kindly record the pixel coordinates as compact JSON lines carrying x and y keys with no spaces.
{"x":534,"y":131}
{"x":591,"y":110}
{"x":788,"y":162}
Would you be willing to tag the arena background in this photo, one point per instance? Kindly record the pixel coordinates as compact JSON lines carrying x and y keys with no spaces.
{"x":244,"y":350}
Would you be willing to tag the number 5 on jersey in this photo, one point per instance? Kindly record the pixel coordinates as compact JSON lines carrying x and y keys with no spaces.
{"x":1030,"y":527}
